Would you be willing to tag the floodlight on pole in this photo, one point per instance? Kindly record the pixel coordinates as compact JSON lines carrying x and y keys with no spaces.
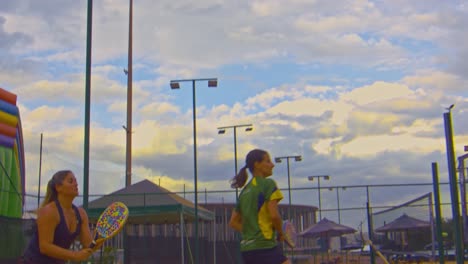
{"x":175,"y":84}
{"x":213,"y":83}
{"x":222,"y":130}
{"x":325,"y":177}
{"x":337,"y":200}
{"x":296,"y":158}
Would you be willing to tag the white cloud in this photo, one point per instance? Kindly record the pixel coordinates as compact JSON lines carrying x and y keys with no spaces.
{"x":378,"y":91}
{"x":436,"y":82}
{"x":45,"y":118}
{"x":331,"y":25}
{"x":307,"y":106}
{"x":262,"y":8}
{"x":151,"y":138}
{"x":371,"y":146}
{"x":156,"y":109}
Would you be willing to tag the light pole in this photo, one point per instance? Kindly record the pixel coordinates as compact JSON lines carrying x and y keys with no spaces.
{"x":87,"y":117}
{"x":175,"y":84}
{"x":338,"y":201}
{"x":449,"y":144}
{"x":222,"y":130}
{"x":278,"y":160}
{"x":338,"y":206}
{"x":325,"y":177}
{"x":461,"y":170}
{"x":370,"y":226}
{"x":40,"y":169}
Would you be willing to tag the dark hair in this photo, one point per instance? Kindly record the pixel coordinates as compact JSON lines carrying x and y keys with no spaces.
{"x":57,"y":179}
{"x":253,"y":156}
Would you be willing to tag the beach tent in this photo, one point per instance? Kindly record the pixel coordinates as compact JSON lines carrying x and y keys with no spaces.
{"x":404,"y":224}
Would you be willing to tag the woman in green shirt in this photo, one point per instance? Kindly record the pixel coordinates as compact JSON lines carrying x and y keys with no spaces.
{"x":256,"y":215}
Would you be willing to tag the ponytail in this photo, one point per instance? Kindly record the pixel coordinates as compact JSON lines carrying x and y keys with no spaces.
{"x":253,"y":156}
{"x":240,"y":179}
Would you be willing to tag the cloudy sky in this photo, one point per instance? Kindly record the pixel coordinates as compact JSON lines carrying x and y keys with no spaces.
{"x":358,"y":88}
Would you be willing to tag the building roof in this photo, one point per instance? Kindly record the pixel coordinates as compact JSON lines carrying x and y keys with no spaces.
{"x":149,"y":203}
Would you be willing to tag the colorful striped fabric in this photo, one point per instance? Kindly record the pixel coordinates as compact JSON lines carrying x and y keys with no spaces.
{"x":12,"y":168}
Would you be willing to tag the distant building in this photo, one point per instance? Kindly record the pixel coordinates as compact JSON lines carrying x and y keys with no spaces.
{"x":301,"y":215}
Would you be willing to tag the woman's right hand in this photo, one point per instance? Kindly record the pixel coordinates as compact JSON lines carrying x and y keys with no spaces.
{"x":83,"y":254}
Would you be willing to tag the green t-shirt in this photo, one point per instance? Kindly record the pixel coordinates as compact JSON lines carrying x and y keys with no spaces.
{"x":257,"y":227}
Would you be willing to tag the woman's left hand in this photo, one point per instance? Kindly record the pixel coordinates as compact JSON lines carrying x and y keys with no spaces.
{"x":99,"y":242}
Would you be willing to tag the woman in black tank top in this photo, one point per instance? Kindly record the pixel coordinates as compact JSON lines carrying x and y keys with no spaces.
{"x":59,"y":223}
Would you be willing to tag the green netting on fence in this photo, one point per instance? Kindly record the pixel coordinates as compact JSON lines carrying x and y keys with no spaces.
{"x":15,"y":234}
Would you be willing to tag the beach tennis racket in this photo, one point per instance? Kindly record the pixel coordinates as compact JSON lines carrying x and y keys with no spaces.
{"x":376,"y":250}
{"x":290,"y":234}
{"x":110,"y":222}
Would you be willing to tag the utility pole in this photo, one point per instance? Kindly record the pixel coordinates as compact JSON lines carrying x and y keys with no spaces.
{"x":40,"y":169}
{"x":128,"y":128}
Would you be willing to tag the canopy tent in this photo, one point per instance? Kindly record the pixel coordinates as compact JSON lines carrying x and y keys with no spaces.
{"x":404,"y":224}
{"x":327,"y":228}
{"x":150,"y":203}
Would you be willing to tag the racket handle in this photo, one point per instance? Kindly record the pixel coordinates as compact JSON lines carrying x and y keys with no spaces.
{"x":93,"y":244}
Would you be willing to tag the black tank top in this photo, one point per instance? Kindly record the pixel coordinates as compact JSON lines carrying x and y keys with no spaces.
{"x":62,"y":238}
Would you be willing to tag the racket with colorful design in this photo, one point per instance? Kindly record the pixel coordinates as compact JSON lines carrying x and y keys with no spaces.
{"x":290,"y":234}
{"x":110,"y":222}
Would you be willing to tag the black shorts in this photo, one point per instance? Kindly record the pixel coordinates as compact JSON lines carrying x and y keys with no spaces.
{"x":264,"y":256}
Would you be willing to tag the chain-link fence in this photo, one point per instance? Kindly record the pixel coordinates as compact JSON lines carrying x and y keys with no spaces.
{"x":351,"y":206}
